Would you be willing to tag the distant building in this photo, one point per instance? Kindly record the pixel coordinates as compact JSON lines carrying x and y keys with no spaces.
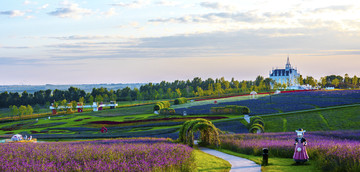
{"x":288,"y":76}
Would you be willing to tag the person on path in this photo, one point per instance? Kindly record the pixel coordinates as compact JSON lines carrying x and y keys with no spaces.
{"x":300,"y":154}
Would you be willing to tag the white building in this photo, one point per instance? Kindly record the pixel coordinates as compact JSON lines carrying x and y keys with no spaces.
{"x":288,"y":76}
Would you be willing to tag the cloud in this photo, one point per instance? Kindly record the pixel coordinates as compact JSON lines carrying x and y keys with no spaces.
{"x":6,"y":61}
{"x":70,"y":10}
{"x":110,"y":13}
{"x":27,"y":2}
{"x":167,"y":3}
{"x":134,"y":4}
{"x":85,"y":37}
{"x":211,"y":18}
{"x":43,"y":6}
{"x":12,"y":13}
{"x":333,"y":8}
{"x":217,"y":6}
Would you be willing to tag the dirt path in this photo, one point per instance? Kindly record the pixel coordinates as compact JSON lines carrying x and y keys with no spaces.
{"x":237,"y":163}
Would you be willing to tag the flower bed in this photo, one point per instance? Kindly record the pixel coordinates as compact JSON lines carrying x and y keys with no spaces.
{"x":286,"y":102}
{"x":332,"y":153}
{"x":146,"y":154}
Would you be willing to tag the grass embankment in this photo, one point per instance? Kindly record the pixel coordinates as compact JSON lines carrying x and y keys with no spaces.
{"x":276,"y":164}
{"x":207,"y":162}
{"x":346,"y":118}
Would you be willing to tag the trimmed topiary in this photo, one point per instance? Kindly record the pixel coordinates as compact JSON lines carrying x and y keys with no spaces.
{"x":180,"y":100}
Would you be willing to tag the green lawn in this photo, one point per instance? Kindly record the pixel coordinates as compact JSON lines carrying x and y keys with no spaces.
{"x":347,"y":118}
{"x":207,"y":162}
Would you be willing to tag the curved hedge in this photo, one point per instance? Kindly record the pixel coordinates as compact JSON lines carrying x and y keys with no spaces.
{"x":167,"y":111}
{"x":161,"y":105}
{"x":256,"y":124}
{"x":180,"y":100}
{"x":231,"y":109}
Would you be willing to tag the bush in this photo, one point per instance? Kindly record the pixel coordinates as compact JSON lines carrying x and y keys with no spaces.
{"x":161,"y":105}
{"x":231,"y":109}
{"x":256,"y":123}
{"x":180,"y":100}
{"x":167,"y":111}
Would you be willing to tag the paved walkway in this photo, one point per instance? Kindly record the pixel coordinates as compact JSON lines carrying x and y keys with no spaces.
{"x":237,"y":163}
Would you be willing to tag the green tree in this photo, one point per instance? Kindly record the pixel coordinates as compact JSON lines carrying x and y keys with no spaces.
{"x":37,"y":108}
{"x":22,"y":111}
{"x":335,"y":82}
{"x":323,"y":82}
{"x":244,"y":87}
{"x":91,"y":100}
{"x":63,"y":104}
{"x":355,"y":81}
{"x":14,"y":110}
{"x":73,"y":105}
{"x":82,"y":100}
{"x":29,"y":110}
{"x":178,"y":92}
{"x":98,"y":98}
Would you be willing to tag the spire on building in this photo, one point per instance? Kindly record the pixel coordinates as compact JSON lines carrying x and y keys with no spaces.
{"x":288,"y":65}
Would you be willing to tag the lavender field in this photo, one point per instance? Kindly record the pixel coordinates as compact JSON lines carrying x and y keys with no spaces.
{"x":286,"y":102}
{"x":145,"y":154}
{"x":332,"y":151}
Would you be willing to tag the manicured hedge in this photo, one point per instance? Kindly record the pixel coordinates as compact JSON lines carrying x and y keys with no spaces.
{"x":161,"y":105}
{"x":256,"y":124}
{"x":180,"y":100}
{"x":230,"y":109}
{"x":167,"y":111}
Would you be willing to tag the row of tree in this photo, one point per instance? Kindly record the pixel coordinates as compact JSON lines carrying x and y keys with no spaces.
{"x":166,"y":90}
{"x":20,"y":111}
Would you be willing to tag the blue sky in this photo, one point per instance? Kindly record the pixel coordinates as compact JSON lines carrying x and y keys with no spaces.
{"x":119,"y":41}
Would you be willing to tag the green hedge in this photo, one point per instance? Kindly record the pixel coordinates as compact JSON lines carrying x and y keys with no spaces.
{"x":180,"y":100}
{"x":231,"y":109}
{"x":256,"y":123}
{"x":161,"y":105}
{"x":167,"y":111}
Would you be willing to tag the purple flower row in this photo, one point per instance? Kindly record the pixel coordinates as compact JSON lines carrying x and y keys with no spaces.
{"x":146,"y":154}
{"x":332,"y":150}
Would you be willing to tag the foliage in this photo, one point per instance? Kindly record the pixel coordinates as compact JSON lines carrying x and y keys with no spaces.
{"x":330,"y":153}
{"x":180,"y":100}
{"x":207,"y":162}
{"x":256,"y":124}
{"x":208,"y":132}
{"x":167,"y":111}
{"x":231,"y":109}
{"x":161,"y":105}
{"x":145,"y":154}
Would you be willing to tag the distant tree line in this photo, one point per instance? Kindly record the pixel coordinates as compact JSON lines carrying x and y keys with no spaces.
{"x":164,"y":90}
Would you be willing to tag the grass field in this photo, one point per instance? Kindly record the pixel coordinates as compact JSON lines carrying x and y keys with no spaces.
{"x":347,"y":118}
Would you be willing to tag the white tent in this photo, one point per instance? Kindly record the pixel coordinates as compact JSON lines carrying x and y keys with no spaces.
{"x":253,"y":94}
{"x":16,"y":137}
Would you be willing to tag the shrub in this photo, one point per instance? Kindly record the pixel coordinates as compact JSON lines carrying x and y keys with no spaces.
{"x":256,"y":123}
{"x":167,"y":111}
{"x":180,"y":100}
{"x":231,"y":109}
{"x":161,"y":105}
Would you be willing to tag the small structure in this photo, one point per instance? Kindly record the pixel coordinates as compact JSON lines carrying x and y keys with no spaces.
{"x":253,"y":94}
{"x":17,"y":137}
{"x":80,"y":107}
{"x":184,"y":113}
{"x":112,"y":104}
{"x":277,"y":92}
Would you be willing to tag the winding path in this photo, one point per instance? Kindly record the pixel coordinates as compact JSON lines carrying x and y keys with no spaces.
{"x":237,"y":163}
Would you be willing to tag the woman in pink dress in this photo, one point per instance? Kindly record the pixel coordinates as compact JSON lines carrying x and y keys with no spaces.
{"x":300,"y":154}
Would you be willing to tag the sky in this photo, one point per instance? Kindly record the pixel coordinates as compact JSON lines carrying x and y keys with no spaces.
{"x":120,"y":41}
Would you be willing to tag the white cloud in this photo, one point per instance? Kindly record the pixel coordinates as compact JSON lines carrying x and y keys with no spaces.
{"x":134,"y":4}
{"x":167,"y":3}
{"x":44,"y":6}
{"x":27,"y":2}
{"x":70,"y":10}
{"x":217,"y":6}
{"x":13,"y":13}
{"x":110,"y":12}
